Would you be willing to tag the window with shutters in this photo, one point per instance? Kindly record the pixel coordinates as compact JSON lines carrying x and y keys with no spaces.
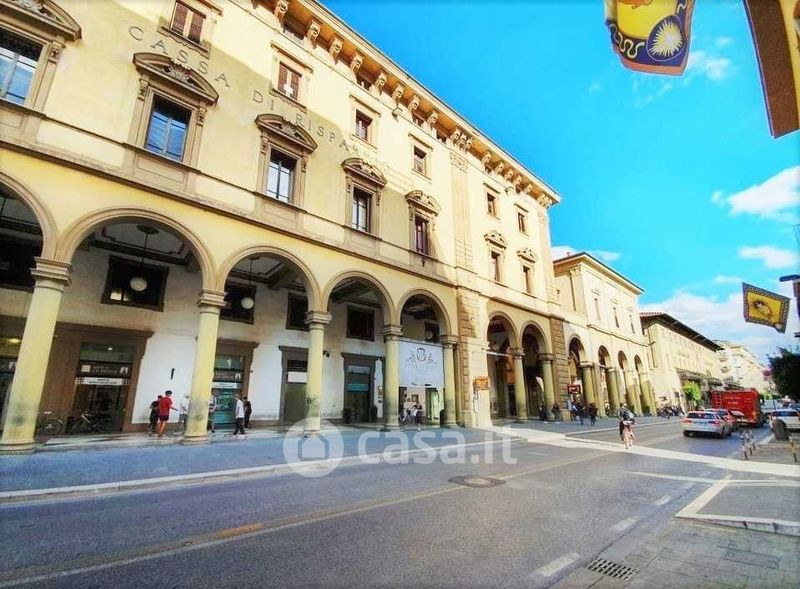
{"x":421,"y":235}
{"x":491,"y":204}
{"x":363,"y":126}
{"x":285,"y":150}
{"x":169,"y":124}
{"x":522,"y":221}
{"x":18,"y":60}
{"x":280,"y":176}
{"x":527,"y":278}
{"x":186,"y":22}
{"x":495,"y":265}
{"x":289,"y":82}
{"x":362,"y":209}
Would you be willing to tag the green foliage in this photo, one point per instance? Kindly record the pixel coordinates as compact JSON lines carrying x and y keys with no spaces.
{"x":786,"y":372}
{"x":692,"y":392}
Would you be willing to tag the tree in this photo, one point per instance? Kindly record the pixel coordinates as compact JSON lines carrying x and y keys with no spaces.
{"x":786,"y":372}
{"x":692,"y":392}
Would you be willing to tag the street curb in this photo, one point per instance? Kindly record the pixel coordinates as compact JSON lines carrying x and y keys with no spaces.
{"x":771,"y":526}
{"x":98,"y":489}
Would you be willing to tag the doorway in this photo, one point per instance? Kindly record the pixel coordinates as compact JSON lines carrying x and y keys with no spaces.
{"x":359,"y":381}
{"x":228,"y":382}
{"x":102,"y":382}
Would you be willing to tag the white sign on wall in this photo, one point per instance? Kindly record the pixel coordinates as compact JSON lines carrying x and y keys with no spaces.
{"x":421,"y":365}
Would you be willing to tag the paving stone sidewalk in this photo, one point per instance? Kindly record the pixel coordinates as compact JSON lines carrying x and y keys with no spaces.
{"x":693,"y":555}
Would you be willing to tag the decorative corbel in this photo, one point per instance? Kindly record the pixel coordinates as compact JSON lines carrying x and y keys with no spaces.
{"x":508,"y":175}
{"x":55,"y":51}
{"x":143,"y":84}
{"x":462,"y":141}
{"x":468,"y":144}
{"x":516,"y":182}
{"x":335,"y":48}
{"x":498,"y":169}
{"x":398,"y":92}
{"x":281,"y":6}
{"x":413,"y":103}
{"x":314,"y":27}
{"x":355,"y":63}
{"x":380,"y":82}
{"x":487,"y":157}
{"x":454,"y":137}
{"x":527,"y":190}
{"x":432,"y":118}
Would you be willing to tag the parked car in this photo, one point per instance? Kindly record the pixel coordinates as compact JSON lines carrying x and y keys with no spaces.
{"x":791,"y":417}
{"x":741,"y":419}
{"x":705,"y":422}
{"x":729,"y":418}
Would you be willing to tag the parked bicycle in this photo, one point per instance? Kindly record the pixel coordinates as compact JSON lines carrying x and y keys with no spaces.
{"x":49,"y":425}
{"x":88,"y":422}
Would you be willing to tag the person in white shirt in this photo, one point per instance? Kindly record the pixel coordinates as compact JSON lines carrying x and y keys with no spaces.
{"x":183,"y":412}
{"x":239,"y":415}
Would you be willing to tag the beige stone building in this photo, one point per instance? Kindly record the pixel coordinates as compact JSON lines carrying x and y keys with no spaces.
{"x":607,"y":356}
{"x":678,"y":354}
{"x":357,"y":246}
{"x":740,"y":368}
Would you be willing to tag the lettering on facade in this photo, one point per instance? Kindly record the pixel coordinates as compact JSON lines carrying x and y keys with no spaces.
{"x":221,"y":81}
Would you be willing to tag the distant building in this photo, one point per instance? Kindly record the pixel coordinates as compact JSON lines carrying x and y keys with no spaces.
{"x":740,"y":368}
{"x":678,"y":355}
{"x":603,"y":336}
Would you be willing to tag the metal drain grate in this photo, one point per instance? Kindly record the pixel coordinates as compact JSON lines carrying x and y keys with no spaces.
{"x":612,"y":569}
{"x":476,"y":481}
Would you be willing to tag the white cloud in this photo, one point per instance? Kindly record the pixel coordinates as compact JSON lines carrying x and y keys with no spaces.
{"x":723,"y":41}
{"x":562,"y":251}
{"x":723,"y":279}
{"x":772,"y":257}
{"x":713,"y":67}
{"x":595,"y":87}
{"x":721,"y":318}
{"x":777,"y":198}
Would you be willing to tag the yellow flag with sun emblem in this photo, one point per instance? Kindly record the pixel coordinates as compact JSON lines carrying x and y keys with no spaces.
{"x":651,"y":35}
{"x":765,"y":307}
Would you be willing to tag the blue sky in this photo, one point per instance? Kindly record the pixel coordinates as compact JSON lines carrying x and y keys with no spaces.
{"x":676,"y":182}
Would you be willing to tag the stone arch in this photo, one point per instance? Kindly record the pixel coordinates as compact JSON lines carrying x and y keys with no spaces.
{"x":539,"y":334}
{"x":390,"y":316}
{"x":508,"y":323}
{"x":442,"y":313}
{"x":622,"y":361}
{"x":309,"y":280}
{"x":80,"y":229}
{"x":638,"y":364}
{"x":43,"y":215}
{"x":604,"y":358}
{"x":576,"y":346}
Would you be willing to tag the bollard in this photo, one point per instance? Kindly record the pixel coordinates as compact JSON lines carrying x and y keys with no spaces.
{"x":792,"y":446}
{"x":752,"y":444}
{"x":743,"y":436}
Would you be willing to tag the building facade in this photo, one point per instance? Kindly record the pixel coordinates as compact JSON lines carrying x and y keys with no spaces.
{"x":357,"y":246}
{"x":606,"y":350}
{"x":678,"y":355}
{"x":740,"y":368}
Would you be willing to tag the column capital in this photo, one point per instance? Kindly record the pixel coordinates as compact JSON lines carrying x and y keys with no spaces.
{"x":610,"y":368}
{"x":391,"y":331}
{"x":211,"y":298}
{"x":318,"y":318}
{"x":587,"y":365}
{"x":546,"y":357}
{"x":52,"y":270}
{"x":448,"y":341}
{"x":517,"y":352}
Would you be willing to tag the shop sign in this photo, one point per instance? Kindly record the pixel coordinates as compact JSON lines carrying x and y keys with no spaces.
{"x":421,"y":365}
{"x":481,"y":383}
{"x":101,"y":380}
{"x":574,"y":388}
{"x":226,"y":385}
{"x":296,"y":377}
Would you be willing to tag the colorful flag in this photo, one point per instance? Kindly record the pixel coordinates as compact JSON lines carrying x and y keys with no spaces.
{"x":765,"y":307}
{"x":651,"y":35}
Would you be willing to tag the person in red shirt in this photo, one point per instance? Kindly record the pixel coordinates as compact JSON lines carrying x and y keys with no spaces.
{"x":164,"y":407}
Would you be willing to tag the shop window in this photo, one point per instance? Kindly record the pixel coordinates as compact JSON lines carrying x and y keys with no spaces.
{"x":239,"y":303}
{"x":420,"y":160}
{"x":166,"y":134}
{"x":18,"y":60}
{"x":135,"y":284}
{"x":16,"y":261}
{"x":280,"y":176}
{"x":361,"y":212}
{"x":288,"y":82}
{"x":187,"y":23}
{"x":360,"y":324}
{"x":421,"y":236}
{"x":491,"y":204}
{"x":363,"y":126}
{"x":296,"y":313}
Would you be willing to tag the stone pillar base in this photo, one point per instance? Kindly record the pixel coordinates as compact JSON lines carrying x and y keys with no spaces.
{"x":195,"y":440}
{"x":521,"y":420}
{"x":453,"y":423}
{"x":24,"y":448}
{"x":390,"y":427}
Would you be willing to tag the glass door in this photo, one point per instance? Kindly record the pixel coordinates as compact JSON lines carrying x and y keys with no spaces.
{"x":228,"y":381}
{"x":102,"y":383}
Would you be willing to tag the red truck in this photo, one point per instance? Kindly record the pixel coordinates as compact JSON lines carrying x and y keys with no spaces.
{"x":746,"y":401}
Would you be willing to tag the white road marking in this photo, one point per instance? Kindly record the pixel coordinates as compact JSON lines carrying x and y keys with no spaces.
{"x":705,"y":473}
{"x":686,"y":486}
{"x":675,"y":477}
{"x":701,"y":501}
{"x":624,"y":524}
{"x":552,"y":568}
{"x":662,"y":501}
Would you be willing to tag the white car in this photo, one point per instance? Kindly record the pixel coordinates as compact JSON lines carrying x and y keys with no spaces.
{"x":791,"y":417}
{"x":705,"y":422}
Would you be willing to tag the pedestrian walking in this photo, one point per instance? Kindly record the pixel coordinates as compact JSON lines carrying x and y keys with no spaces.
{"x":248,"y":411}
{"x":624,"y":414}
{"x":154,"y":415}
{"x":238,"y":414}
{"x":212,"y":408}
{"x":542,"y":413}
{"x":413,"y":413}
{"x":556,"y":410}
{"x":579,"y":411}
{"x":183,"y":412}
{"x":419,"y":415}
{"x":164,"y":407}
{"x":592,"y":413}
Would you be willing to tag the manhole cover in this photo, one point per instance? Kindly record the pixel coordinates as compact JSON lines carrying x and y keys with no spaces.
{"x":612,"y":569}
{"x":476,"y":481}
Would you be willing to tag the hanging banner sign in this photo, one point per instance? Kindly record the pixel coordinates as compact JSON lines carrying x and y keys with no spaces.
{"x":102,"y":380}
{"x":421,"y":365}
{"x":226,"y":385}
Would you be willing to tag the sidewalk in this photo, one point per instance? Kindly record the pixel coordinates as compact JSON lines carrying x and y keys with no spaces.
{"x":110,"y":468}
{"x":575,"y":427}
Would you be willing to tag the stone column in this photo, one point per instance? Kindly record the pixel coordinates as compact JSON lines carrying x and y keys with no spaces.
{"x":549,"y":383}
{"x":630,"y":392}
{"x":588,"y":384}
{"x":211,"y":301}
{"x":520,"y":390}
{"x":25,"y":395}
{"x":647,"y":392}
{"x":448,"y":343}
{"x":613,"y":389}
{"x":391,"y":377}
{"x":597,"y":374}
{"x":316,"y":321}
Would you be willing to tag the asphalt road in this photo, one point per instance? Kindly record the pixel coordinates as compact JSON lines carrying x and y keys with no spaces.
{"x":364,"y":525}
